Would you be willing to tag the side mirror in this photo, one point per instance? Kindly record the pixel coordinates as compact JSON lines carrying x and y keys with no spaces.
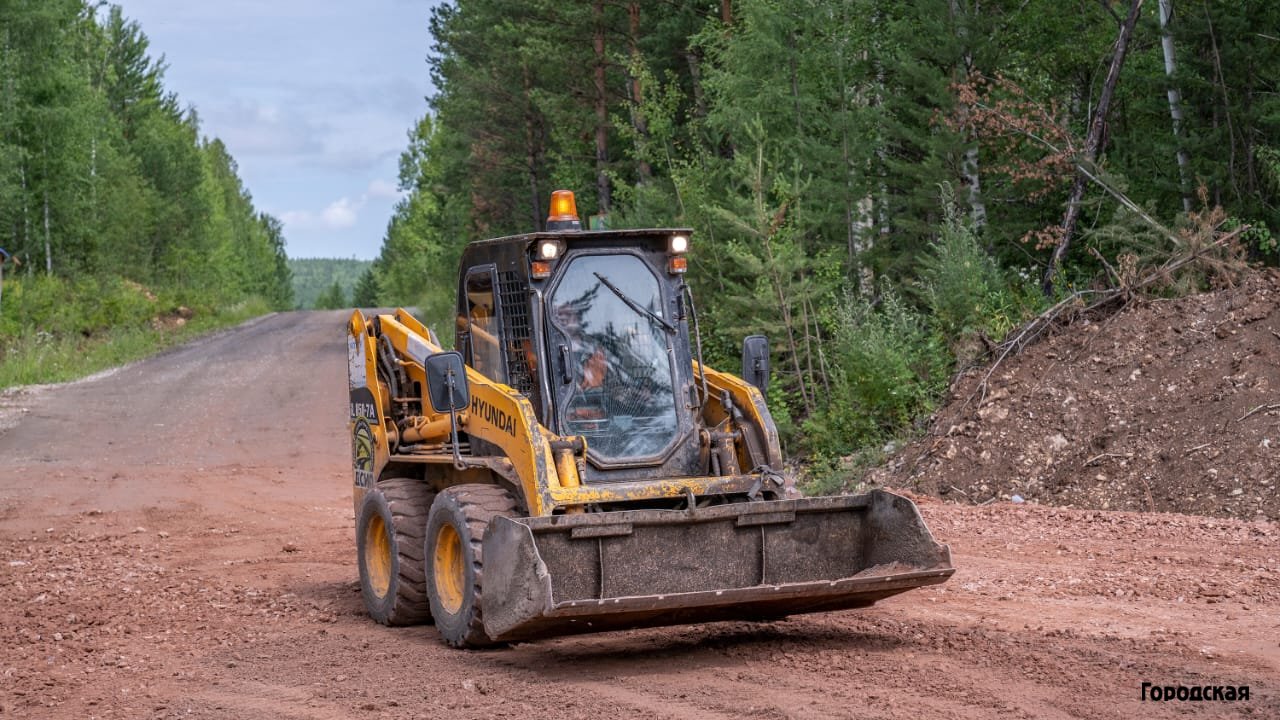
{"x":447,"y":382}
{"x":755,"y":361}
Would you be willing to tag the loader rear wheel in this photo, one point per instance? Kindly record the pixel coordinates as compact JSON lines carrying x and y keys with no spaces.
{"x":455,"y":567}
{"x":389,"y":534}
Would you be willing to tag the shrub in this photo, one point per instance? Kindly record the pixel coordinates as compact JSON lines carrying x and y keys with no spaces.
{"x":888,"y":369}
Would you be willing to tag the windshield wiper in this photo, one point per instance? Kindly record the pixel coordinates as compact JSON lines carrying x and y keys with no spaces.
{"x":635,"y":305}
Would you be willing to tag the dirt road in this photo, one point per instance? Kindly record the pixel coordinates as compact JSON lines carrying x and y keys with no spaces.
{"x":176,"y":541}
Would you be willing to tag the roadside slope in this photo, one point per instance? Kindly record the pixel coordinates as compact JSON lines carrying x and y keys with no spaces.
{"x":1168,"y":405}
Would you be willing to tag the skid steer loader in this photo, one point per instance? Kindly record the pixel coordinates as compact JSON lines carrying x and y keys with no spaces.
{"x":574,"y":466}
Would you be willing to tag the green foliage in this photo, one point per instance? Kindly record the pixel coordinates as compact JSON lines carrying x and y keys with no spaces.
{"x":1257,"y":238}
{"x":365,"y":293}
{"x":805,"y":142}
{"x":333,"y":298}
{"x":104,"y":178}
{"x":42,"y":356}
{"x":969,"y":297}
{"x":311,"y":277}
{"x":125,"y":220}
{"x":891,"y":368}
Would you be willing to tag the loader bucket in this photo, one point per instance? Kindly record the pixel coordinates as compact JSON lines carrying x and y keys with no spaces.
{"x":601,"y":571}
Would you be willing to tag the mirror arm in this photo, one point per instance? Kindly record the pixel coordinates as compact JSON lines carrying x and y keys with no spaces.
{"x":453,"y":424}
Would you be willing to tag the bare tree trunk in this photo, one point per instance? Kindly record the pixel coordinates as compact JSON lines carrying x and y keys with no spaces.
{"x":93,"y":175}
{"x":1175,"y":104}
{"x":695,"y":79}
{"x":637,"y":91}
{"x":26,"y":214}
{"x":969,"y":164}
{"x":1092,"y":145}
{"x":726,"y":11}
{"x":48,"y":249}
{"x":603,"y":195}
{"x":532,"y":143}
{"x":846,"y":163}
{"x":1226,"y":103}
{"x":970,"y":169}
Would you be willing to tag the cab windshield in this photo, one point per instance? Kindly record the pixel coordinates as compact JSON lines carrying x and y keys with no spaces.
{"x":611,"y":336}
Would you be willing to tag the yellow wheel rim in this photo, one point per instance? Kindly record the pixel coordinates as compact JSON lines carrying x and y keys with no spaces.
{"x":377,"y":556}
{"x":450,"y":576}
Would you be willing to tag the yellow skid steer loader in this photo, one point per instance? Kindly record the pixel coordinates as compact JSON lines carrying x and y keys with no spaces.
{"x":573,"y":466}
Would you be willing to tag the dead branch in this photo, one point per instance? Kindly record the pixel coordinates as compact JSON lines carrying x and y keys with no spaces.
{"x":1100,"y":456}
{"x":1034,"y":329}
{"x":1260,"y":408}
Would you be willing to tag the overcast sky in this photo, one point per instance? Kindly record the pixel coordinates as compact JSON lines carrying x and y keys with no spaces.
{"x":312,"y":97}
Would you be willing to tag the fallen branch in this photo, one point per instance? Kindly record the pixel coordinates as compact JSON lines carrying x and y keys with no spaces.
{"x":1198,"y":447}
{"x":1096,"y":458}
{"x":1258,"y":409}
{"x":1115,"y":276}
{"x":1031,"y":331}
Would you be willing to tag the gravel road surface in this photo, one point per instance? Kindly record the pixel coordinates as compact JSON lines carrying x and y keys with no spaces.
{"x":176,"y":541}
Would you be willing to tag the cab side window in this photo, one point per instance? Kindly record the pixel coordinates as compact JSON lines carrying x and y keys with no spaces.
{"x":483,"y":346}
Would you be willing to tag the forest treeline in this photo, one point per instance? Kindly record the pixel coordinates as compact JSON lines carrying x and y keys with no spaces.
{"x":327,"y":283}
{"x":114,"y":207}
{"x":884,"y":188}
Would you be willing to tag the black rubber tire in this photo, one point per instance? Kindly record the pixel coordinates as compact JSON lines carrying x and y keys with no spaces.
{"x":398,"y":508}
{"x":468,"y":509}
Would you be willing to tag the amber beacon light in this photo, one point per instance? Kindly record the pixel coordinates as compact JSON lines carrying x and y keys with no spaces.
{"x":564,"y":211}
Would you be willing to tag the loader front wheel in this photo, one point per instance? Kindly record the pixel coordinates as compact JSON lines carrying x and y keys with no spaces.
{"x":455,"y":567}
{"x":389,"y":536}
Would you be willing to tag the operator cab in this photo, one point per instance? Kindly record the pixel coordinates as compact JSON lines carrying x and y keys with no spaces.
{"x":591,"y":327}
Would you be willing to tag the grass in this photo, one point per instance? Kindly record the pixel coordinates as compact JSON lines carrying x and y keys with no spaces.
{"x":42,"y":357}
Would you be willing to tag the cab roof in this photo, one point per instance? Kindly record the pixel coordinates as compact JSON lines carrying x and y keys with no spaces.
{"x":595,"y":235}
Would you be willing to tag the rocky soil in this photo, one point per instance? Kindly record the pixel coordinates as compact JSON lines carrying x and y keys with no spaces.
{"x":1167,"y":406}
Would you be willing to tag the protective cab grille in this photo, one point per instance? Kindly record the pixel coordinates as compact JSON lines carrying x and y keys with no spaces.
{"x":514,"y":298}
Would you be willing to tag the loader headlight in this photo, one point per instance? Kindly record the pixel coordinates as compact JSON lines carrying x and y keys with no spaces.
{"x":548,"y":250}
{"x":678,"y":244}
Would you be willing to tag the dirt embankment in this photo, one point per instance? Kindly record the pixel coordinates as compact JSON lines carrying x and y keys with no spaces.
{"x":1168,"y":405}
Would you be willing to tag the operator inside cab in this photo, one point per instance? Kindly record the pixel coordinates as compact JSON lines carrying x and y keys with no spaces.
{"x":618,"y":390}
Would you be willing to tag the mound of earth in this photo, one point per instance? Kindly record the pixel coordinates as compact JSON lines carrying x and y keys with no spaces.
{"x":1167,"y":405}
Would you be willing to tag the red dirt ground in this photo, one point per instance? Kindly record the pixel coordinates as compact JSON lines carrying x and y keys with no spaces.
{"x":176,"y":542}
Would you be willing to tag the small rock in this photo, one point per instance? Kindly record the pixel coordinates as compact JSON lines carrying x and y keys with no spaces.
{"x":139,"y":529}
{"x":162,"y":534}
{"x":1016,"y":499}
{"x":469,"y":685}
{"x":1057,"y":442}
{"x":1238,"y":491}
{"x":290,"y":548}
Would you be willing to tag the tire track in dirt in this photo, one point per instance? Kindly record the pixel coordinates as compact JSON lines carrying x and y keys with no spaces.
{"x":185,"y":550}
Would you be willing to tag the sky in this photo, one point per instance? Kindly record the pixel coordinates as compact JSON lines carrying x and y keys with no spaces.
{"x":313,"y":98}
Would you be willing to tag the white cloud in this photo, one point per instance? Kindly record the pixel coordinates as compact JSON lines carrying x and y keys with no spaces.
{"x":383,"y":190}
{"x":343,"y":213}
